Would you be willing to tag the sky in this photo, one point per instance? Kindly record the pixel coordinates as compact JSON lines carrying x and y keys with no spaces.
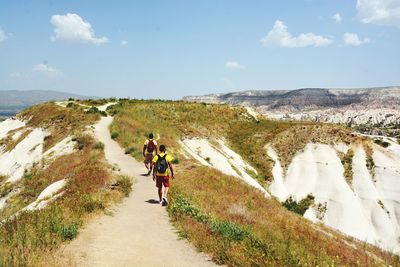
{"x":170,"y":49}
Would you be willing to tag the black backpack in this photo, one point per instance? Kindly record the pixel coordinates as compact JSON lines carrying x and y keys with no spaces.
{"x":161,"y":164}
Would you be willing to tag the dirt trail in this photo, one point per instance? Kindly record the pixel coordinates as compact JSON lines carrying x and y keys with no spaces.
{"x":139,"y":232}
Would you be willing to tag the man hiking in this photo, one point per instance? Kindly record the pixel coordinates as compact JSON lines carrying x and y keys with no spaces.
{"x":161,"y":164}
{"x":150,"y":146}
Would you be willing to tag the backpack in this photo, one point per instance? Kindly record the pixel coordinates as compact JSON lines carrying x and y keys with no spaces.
{"x":150,"y":146}
{"x":162,"y":164}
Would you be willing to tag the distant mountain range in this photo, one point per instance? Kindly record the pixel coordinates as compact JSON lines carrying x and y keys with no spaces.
{"x":13,"y":101}
{"x":369,"y":108}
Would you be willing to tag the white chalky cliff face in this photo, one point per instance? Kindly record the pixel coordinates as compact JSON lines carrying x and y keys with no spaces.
{"x":367,"y":208}
{"x":24,"y":155}
{"x":222,"y":158}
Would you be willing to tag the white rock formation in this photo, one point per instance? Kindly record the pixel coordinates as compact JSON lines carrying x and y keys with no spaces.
{"x":222,"y":158}
{"x":366,"y":210}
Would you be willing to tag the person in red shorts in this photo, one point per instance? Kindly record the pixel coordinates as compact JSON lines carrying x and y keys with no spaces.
{"x":149,"y":147}
{"x":161,"y":164}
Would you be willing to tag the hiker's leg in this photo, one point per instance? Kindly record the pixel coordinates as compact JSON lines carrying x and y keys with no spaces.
{"x":166,"y":191}
{"x":167,"y":184}
{"x":160,"y":193}
{"x":159,"y":186}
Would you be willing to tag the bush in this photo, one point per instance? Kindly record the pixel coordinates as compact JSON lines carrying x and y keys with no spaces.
{"x":99,"y":145}
{"x":93,"y":110}
{"x":114,"y":135}
{"x":124,"y":184}
{"x":381,"y":143}
{"x":68,"y":232}
{"x":299,"y":207}
{"x":228,"y":230}
{"x":90,"y":204}
{"x":130,"y":150}
{"x":175,"y":161}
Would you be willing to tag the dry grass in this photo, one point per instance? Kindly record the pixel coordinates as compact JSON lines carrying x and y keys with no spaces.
{"x":58,"y":121}
{"x":289,"y":239}
{"x":29,"y":238}
{"x":293,"y":140}
{"x":220,"y":214}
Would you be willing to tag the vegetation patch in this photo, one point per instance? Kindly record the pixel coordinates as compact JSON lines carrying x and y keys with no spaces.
{"x":124,"y":184}
{"x":347,"y":162}
{"x":382,"y":143}
{"x":58,"y":121}
{"x":99,"y":145}
{"x":94,"y":110}
{"x":370,"y":163}
{"x":290,"y":142}
{"x":299,"y":207}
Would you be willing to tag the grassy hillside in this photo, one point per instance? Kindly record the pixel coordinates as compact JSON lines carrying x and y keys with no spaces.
{"x":220,"y":214}
{"x":29,"y":238}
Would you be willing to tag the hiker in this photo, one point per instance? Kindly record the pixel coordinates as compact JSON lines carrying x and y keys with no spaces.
{"x":150,"y":146}
{"x":161,"y":163}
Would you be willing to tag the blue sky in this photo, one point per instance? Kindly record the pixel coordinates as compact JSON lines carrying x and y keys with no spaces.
{"x":169,"y":49}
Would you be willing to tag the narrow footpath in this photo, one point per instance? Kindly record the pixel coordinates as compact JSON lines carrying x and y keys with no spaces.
{"x":139,"y":232}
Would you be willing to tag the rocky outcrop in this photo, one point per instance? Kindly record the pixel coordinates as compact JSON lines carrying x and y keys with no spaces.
{"x":375,"y":106}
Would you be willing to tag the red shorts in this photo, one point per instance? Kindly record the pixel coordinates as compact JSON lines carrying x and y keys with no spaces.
{"x":162,"y":180}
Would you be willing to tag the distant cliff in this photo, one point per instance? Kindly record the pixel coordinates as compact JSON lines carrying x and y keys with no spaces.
{"x":369,"y":107}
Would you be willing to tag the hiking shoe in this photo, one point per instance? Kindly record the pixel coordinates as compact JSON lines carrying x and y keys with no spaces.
{"x":161,"y":202}
{"x":148,"y":173}
{"x":165,"y":200}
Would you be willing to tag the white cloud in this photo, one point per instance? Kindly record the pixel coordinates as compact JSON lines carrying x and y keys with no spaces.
{"x":43,"y":68}
{"x":337,"y":18}
{"x":381,"y":12}
{"x":124,"y":42}
{"x":72,"y":28}
{"x":3,"y":35}
{"x":280,"y":36}
{"x":234,"y":65}
{"x":352,"y":39}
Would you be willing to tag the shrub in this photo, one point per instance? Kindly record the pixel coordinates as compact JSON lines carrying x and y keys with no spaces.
{"x":175,"y":161}
{"x":114,"y":135}
{"x":130,"y":150}
{"x":228,"y":230}
{"x":99,"y":145}
{"x":90,"y":204}
{"x":94,"y":110}
{"x":68,"y":232}
{"x":124,"y":184}
{"x":382,"y":143}
{"x":299,"y":207}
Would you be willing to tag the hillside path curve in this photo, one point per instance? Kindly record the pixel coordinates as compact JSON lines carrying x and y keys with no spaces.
{"x":139,"y":232}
